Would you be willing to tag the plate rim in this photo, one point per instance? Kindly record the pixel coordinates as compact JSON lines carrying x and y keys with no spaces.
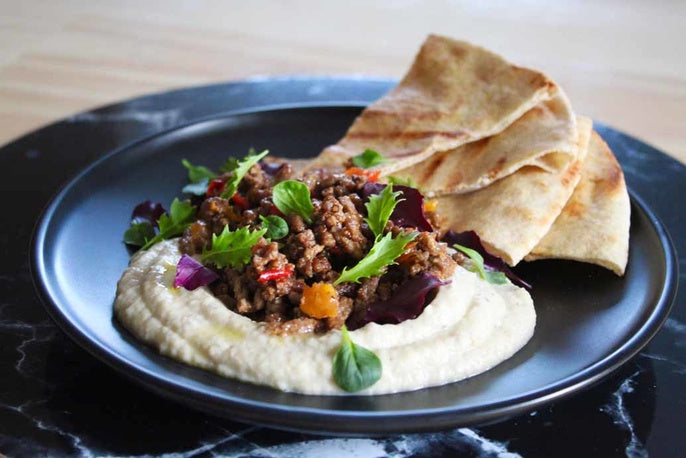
{"x":309,"y":418}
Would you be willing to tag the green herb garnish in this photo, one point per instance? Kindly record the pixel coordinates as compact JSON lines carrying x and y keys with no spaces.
{"x":368,"y":158}
{"x":477,"y":266}
{"x":293,"y":197}
{"x":277,"y":227}
{"x":181,"y":215}
{"x":138,"y":234}
{"x":199,"y":177}
{"x":198,"y":172}
{"x":393,"y":179}
{"x":379,"y":209}
{"x":383,"y":253}
{"x":232,"y":163}
{"x":354,"y":367}
{"x":232,"y":248}
{"x":241,"y":168}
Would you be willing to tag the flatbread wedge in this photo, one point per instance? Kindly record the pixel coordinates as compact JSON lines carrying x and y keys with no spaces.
{"x":545,"y":137}
{"x":513,"y":214}
{"x":453,"y":94}
{"x":594,"y":224}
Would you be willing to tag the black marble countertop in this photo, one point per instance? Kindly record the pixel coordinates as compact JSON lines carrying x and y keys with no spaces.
{"x":57,"y":400}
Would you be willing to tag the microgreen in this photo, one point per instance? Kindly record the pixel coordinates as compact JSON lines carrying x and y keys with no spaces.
{"x":232,"y":248}
{"x":382,"y":254}
{"x":477,"y":266}
{"x":379,"y":209}
{"x":138,"y":234}
{"x":293,"y":197}
{"x":355,"y":367}
{"x":277,"y":227}
{"x":241,"y":168}
{"x":181,"y":214}
{"x":393,"y":179}
{"x":199,"y":177}
{"x":368,"y":158}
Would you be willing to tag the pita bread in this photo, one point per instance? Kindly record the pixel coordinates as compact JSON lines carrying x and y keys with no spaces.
{"x":594,"y":224}
{"x":544,"y":137}
{"x":513,"y":214}
{"x":454,"y":93}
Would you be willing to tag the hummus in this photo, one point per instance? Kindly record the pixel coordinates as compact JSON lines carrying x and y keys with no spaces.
{"x":469,"y":327}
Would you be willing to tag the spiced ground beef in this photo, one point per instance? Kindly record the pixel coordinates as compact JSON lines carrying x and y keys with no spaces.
{"x":338,"y":237}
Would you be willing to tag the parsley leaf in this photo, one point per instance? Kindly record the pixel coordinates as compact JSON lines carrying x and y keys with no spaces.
{"x":180,"y":216}
{"x":383,"y":253}
{"x":354,"y":367}
{"x":293,"y":197}
{"x":368,"y":158}
{"x":379,"y":209}
{"x":138,"y":234}
{"x":277,"y":227}
{"x":491,"y":276}
{"x":232,"y":248}
{"x":241,"y":168}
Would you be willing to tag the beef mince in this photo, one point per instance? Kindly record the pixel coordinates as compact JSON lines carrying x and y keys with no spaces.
{"x":338,"y":237}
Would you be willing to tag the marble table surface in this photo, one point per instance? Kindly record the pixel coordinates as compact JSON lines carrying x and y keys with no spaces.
{"x":57,"y":400}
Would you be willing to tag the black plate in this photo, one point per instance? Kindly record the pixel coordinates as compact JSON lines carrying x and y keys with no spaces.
{"x":589,"y":320}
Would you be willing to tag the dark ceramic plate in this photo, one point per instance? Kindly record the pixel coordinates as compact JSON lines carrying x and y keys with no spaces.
{"x":589,"y":320}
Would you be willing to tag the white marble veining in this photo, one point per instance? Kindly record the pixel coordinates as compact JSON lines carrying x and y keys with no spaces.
{"x":619,"y":413}
{"x":395,"y":447}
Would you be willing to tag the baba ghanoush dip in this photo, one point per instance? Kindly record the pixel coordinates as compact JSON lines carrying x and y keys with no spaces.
{"x":323,"y":282}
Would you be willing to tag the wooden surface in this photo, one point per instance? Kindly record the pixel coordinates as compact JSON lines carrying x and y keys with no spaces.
{"x":621,"y":62}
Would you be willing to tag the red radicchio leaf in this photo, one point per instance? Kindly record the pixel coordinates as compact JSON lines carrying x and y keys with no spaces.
{"x":406,"y":303}
{"x":148,"y":211}
{"x":470,"y":239}
{"x":409,"y":212}
{"x":192,"y":275}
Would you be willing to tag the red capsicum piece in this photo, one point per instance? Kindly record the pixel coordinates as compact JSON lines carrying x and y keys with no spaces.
{"x":372,"y":175}
{"x":240,"y":201}
{"x":215,"y":187}
{"x":275,"y":274}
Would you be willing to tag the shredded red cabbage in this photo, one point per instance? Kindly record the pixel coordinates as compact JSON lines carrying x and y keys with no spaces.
{"x":409,"y":212}
{"x":148,"y":211}
{"x":470,"y":239}
{"x":192,"y":275}
{"x":406,"y":303}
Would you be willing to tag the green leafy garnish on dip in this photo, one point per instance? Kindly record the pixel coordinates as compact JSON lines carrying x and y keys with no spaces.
{"x":138,"y":234}
{"x":181,"y":215}
{"x":368,"y":158}
{"x":354,"y":367}
{"x":239,"y":172}
{"x":477,"y":266}
{"x":379,"y":209}
{"x":232,"y":248}
{"x":277,"y":227}
{"x":293,"y":197}
{"x":383,"y":253}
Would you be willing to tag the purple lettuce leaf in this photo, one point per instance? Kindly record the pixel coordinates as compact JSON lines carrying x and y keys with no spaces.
{"x":271,"y":168}
{"x":470,"y":239}
{"x":192,"y":275}
{"x":406,"y":303}
{"x":148,"y":211}
{"x":409,"y":212}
